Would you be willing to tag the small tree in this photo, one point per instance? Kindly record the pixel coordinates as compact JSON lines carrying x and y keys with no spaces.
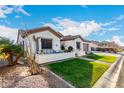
{"x":34,"y":68}
{"x":70,"y":49}
{"x":13,"y":51}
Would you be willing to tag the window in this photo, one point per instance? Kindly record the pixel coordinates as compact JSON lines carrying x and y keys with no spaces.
{"x":46,"y":43}
{"x":78,"y":45}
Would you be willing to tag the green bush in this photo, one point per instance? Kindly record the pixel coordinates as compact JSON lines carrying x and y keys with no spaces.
{"x":70,"y":49}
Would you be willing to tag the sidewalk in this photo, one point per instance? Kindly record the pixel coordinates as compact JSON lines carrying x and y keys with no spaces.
{"x":110,"y":77}
{"x":120,"y":83}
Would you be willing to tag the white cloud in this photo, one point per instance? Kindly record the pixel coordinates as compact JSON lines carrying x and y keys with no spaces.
{"x":84,"y":28}
{"x":65,"y":22}
{"x":107,"y":23}
{"x":2,"y":15}
{"x":113,"y":29}
{"x":70,"y":27}
{"x":4,"y":10}
{"x":120,"y":17}
{"x":118,"y":40}
{"x":19,"y":9}
{"x":51,"y":25}
{"x":8,"y":32}
{"x":7,"y":10}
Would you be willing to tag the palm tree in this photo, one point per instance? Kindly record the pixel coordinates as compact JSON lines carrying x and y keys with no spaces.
{"x":13,"y":51}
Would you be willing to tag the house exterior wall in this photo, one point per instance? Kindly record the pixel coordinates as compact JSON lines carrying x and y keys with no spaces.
{"x":93,"y":46}
{"x":69,"y":43}
{"x":72,"y":43}
{"x":44,"y":34}
{"x":41,"y":58}
{"x":86,"y":46}
{"x":81,"y":45}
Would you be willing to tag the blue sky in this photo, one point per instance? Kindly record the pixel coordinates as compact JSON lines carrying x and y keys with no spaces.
{"x":91,"y":22}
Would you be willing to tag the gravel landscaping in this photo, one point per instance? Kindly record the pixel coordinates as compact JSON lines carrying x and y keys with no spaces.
{"x":19,"y":77}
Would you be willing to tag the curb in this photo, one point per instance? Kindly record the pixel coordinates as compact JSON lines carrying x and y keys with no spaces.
{"x":68,"y":84}
{"x":110,"y":77}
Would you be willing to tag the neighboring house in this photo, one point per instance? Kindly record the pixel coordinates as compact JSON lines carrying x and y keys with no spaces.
{"x":76,"y":42}
{"x":94,"y":45}
{"x":40,"y":40}
{"x":108,"y":46}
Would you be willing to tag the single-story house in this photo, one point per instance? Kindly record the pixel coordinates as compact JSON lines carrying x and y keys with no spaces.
{"x":46,"y":44}
{"x":40,"y":40}
{"x":75,"y":42}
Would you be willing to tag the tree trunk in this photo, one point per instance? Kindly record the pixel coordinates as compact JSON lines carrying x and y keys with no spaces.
{"x":10,"y":59}
{"x":17,"y":59}
{"x":34,"y":68}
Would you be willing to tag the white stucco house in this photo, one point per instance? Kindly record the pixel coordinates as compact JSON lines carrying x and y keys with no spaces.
{"x":44,"y":43}
{"x":76,"y":42}
{"x":41,"y":40}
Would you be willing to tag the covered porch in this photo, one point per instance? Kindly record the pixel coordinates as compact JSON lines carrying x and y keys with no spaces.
{"x":47,"y":46}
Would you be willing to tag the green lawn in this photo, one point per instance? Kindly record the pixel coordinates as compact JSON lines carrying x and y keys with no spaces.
{"x":101,"y":57}
{"x":80,"y":73}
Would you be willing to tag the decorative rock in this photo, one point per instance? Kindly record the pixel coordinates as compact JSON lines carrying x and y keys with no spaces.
{"x":35,"y":81}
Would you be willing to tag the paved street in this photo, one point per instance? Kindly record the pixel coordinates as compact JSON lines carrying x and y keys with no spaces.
{"x":121,"y":78}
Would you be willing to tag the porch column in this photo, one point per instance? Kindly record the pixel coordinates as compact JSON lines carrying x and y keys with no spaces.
{"x":39,"y":41}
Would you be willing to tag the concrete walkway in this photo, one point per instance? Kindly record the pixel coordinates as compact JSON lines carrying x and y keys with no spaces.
{"x":120,"y":83}
{"x":97,"y":61}
{"x":110,"y":77}
{"x":105,"y":53}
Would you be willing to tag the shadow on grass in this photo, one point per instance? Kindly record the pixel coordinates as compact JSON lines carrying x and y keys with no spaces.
{"x":77,"y":72}
{"x":94,"y":56}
